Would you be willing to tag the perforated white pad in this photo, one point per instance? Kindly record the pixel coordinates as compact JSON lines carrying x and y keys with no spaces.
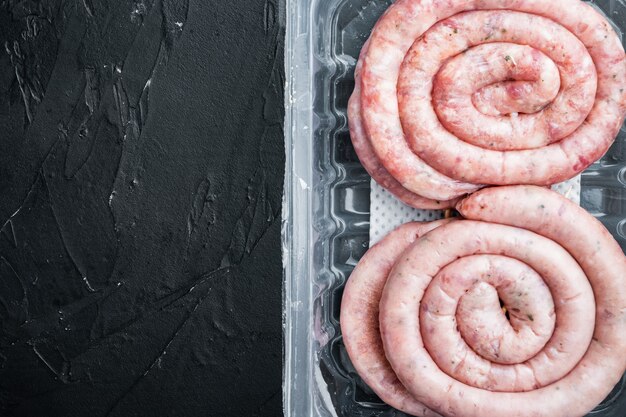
{"x":387,"y":212}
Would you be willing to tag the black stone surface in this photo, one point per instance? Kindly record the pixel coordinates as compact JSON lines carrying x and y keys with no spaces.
{"x":141,"y":169}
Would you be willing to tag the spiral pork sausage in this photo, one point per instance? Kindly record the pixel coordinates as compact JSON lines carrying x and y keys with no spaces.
{"x":359,"y":317}
{"x":562,"y":278}
{"x":370,"y":162}
{"x":454,"y":94}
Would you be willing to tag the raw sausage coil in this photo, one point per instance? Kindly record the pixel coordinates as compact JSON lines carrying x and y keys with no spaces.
{"x":369,"y":160}
{"x":454,"y":94}
{"x":447,"y":344}
{"x":359,"y":317}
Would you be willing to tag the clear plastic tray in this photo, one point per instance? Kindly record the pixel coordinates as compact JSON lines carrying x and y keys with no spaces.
{"x":326,"y":205}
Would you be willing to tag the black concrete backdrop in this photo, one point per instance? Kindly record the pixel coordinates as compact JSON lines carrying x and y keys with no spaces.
{"x":141,"y":169}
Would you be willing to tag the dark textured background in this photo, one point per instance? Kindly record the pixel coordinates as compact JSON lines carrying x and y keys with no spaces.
{"x":141,"y":165}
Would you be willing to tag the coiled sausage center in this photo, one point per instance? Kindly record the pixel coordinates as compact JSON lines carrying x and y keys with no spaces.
{"x":502,"y":309}
{"x":488,"y":90}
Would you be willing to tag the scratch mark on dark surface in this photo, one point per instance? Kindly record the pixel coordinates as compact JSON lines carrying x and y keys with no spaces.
{"x":62,"y":373}
{"x":163,"y":351}
{"x":162,"y":303}
{"x":9,"y":231}
{"x":121,"y":104}
{"x":31,"y":190}
{"x":271,"y":113}
{"x":16,"y":60}
{"x":188,"y":288}
{"x":79,"y":129}
{"x":258,"y":216}
{"x":36,"y":327}
{"x":92,"y":92}
{"x":144,"y":100}
{"x":48,"y":364}
{"x":88,"y":7}
{"x":247,"y":230}
{"x":201,"y":207}
{"x":29,"y":82}
{"x":14,"y":295}
{"x":269,"y":15}
{"x":88,"y":284}
{"x":16,"y":275}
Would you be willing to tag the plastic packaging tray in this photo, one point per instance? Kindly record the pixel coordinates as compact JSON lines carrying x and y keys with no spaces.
{"x":326,"y":205}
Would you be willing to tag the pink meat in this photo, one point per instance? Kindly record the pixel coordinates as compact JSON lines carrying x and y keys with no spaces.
{"x":430,"y":123}
{"x":359,"y":317}
{"x":532,"y":80}
{"x":370,"y":160}
{"x":489,"y":352}
{"x":513,"y":235}
{"x":536,"y":85}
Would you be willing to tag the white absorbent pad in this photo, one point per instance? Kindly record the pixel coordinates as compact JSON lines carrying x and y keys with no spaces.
{"x":387,"y":212}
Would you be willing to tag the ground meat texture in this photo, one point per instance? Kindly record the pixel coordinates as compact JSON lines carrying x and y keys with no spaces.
{"x":452,"y":95}
{"x":359,"y":317}
{"x":370,"y":161}
{"x":562,"y":280}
